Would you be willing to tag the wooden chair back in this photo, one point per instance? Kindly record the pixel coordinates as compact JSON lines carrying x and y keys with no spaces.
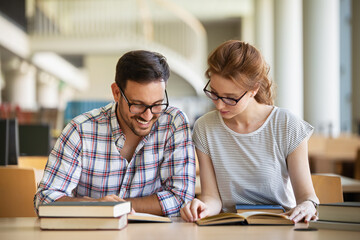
{"x":316,"y":144}
{"x":328,"y":188}
{"x":357,"y":165}
{"x":17,"y":190}
{"x":37,"y":162}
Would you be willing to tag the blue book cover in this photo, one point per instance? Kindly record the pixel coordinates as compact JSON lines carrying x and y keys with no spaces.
{"x":256,"y":207}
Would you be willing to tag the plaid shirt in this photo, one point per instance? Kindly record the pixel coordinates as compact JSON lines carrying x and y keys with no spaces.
{"x":86,"y":161}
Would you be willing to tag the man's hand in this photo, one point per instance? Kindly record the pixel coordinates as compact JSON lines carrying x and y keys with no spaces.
{"x":111,"y":198}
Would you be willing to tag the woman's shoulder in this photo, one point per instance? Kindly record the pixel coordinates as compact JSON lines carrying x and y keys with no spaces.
{"x":283,"y":114}
{"x":286,"y":118}
{"x":208,"y":118}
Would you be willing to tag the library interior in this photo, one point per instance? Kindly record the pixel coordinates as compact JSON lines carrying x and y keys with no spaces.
{"x":58,"y":58}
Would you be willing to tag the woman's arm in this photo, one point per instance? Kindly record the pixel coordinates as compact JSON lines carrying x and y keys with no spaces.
{"x":210,"y":203}
{"x":300,"y":176}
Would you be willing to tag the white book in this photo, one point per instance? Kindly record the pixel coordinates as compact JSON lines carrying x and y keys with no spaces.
{"x":84,"y":209}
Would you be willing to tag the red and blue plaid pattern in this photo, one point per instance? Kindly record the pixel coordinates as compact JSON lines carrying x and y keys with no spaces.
{"x":86,"y":161}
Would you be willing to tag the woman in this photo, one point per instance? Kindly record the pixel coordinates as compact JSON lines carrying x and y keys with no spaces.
{"x":249,"y":151}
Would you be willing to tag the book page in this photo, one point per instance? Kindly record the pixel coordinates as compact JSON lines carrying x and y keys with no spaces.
{"x":147,"y":217}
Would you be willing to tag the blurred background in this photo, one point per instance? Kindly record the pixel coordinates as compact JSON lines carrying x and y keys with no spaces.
{"x":58,"y":57}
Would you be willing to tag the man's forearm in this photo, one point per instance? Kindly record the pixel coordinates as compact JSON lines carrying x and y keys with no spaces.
{"x":77,"y":199}
{"x":148,"y":204}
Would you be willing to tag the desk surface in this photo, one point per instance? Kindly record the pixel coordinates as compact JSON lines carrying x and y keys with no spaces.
{"x":28,"y":228}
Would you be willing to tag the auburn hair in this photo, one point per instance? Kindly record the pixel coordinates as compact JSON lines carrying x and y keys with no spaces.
{"x":243,"y":64}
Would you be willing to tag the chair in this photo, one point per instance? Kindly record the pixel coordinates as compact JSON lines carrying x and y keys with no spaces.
{"x":37,"y":162}
{"x":328,"y":188}
{"x":17,"y":190}
{"x":357,"y":165}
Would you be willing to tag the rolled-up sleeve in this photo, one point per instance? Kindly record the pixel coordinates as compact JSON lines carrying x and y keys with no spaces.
{"x":63,"y":169}
{"x":178,"y":170}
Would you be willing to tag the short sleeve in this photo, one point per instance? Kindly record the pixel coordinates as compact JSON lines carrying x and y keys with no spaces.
{"x":199,"y":136}
{"x":297,"y":131}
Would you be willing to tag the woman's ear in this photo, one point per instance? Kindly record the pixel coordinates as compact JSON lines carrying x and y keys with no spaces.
{"x":256,"y":89}
{"x":115,"y":91}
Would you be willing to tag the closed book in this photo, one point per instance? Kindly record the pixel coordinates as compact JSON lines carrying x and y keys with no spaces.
{"x":83,"y":223}
{"x":240,"y":208}
{"x":334,"y":225}
{"x":146,"y":217}
{"x":246,"y":218}
{"x":340,"y":212}
{"x":84,"y":209}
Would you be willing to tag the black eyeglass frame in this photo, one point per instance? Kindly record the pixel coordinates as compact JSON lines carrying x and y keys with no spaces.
{"x":146,"y":106}
{"x":209,"y":94}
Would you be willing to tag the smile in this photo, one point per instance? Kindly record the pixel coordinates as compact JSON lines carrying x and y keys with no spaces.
{"x":142,"y":122}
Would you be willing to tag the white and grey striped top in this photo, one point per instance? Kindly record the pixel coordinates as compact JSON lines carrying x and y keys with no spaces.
{"x":251,"y":168}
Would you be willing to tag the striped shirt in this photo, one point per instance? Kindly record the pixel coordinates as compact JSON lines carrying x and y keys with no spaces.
{"x":86,"y":161}
{"x":251,"y":168}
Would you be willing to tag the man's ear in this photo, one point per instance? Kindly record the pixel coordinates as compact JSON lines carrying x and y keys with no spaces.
{"x":115,"y":91}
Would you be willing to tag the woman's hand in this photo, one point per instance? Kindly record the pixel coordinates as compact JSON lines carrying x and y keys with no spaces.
{"x":304,"y":211}
{"x":194,"y":210}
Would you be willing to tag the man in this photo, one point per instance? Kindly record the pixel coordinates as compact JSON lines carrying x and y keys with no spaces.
{"x":137,"y":149}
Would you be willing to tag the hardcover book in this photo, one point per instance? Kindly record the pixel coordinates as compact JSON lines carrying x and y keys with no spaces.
{"x":246,"y":218}
{"x":84,"y":209}
{"x":335,"y":225}
{"x":240,"y":208}
{"x":83,"y":223}
{"x":340,"y":212}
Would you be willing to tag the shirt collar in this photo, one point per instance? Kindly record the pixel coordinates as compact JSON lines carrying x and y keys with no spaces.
{"x":115,"y":127}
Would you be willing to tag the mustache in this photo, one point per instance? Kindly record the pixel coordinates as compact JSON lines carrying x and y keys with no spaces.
{"x":141,"y":119}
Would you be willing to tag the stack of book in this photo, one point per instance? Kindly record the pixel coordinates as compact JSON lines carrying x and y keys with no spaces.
{"x":339,"y":216}
{"x":84,"y":215}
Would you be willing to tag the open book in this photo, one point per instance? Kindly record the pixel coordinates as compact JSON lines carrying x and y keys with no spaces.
{"x":146,"y":217}
{"x":261,"y":218}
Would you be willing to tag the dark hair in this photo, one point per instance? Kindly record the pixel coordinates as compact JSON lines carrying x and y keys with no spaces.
{"x":141,"y":66}
{"x":243,"y":64}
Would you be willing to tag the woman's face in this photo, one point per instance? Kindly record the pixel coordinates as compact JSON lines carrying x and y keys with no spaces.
{"x":226,"y":88}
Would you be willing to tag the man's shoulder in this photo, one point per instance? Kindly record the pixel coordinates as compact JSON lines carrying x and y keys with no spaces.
{"x":99,"y":115}
{"x":172,"y":113}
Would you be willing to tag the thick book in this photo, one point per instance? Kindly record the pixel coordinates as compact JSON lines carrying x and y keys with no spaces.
{"x":334,"y":225}
{"x":240,"y":208}
{"x":246,"y":218}
{"x":146,"y":217}
{"x":84,"y":209}
{"x":340,"y":212}
{"x":83,"y":223}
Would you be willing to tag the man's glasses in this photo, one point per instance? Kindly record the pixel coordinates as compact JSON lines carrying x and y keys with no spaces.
{"x":226,"y":100}
{"x":141,"y":108}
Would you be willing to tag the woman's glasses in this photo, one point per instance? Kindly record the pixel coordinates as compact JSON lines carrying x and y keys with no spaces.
{"x":226,"y":100}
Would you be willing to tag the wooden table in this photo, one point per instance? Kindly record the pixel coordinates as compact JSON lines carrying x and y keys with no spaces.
{"x":28,"y":228}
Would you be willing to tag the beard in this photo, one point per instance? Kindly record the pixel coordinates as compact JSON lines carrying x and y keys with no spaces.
{"x":140,"y":132}
{"x":131,"y":123}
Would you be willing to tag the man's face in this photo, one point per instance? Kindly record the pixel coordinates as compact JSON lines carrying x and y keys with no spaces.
{"x":138,"y":93}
